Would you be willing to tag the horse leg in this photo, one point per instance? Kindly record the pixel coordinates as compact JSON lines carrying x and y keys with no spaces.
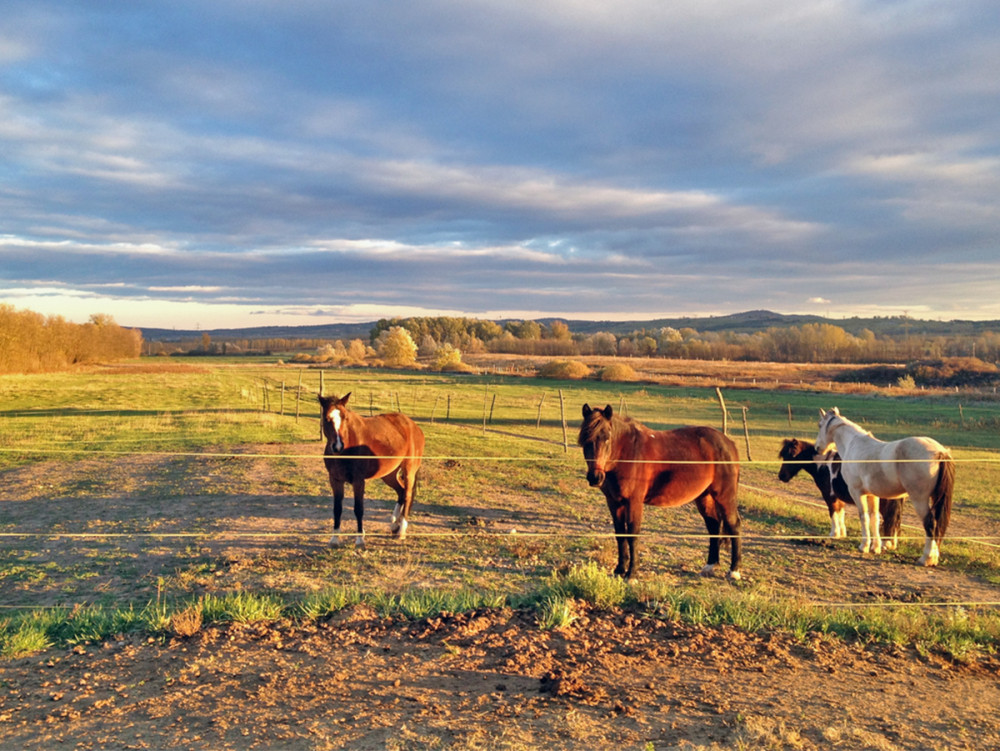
{"x":633,"y":524}
{"x":836,"y":508}
{"x":406,"y":487}
{"x":709,"y":512}
{"x":864,"y":518}
{"x":731,"y":524}
{"x":926,"y":514}
{"x":890,"y":509}
{"x":397,"y":524}
{"x":338,"y":508}
{"x":359,"y":512}
{"x":618,"y":508}
{"x":876,"y":523}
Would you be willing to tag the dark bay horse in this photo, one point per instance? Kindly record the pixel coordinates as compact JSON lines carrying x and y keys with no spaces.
{"x":388,"y":446}
{"x":635,"y":466}
{"x":825,"y":469}
{"x":916,"y":466}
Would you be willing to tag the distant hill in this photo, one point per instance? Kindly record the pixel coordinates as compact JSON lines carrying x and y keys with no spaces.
{"x":320,"y":331}
{"x":742,"y":323}
{"x":760,"y":320}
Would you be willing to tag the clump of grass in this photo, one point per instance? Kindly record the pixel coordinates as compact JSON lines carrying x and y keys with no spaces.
{"x":329,"y":601}
{"x":555,"y":611}
{"x":241,"y":607}
{"x":421,"y":603}
{"x":587,"y":583}
{"x":22,"y":639}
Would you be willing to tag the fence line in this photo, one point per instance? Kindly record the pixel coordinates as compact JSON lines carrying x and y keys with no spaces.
{"x":511,"y":534}
{"x":453,"y":457}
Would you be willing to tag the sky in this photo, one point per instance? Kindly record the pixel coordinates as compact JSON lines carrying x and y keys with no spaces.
{"x":223,"y":164}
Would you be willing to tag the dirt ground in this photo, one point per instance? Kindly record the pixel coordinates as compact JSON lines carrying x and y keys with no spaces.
{"x":493,"y":679}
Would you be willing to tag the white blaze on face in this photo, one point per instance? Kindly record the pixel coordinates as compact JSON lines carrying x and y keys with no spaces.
{"x":334,"y":417}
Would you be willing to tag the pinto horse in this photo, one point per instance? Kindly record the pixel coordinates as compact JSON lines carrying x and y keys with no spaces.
{"x":635,"y":466}
{"x":388,"y":446}
{"x":916,"y":466}
{"x":825,"y":469}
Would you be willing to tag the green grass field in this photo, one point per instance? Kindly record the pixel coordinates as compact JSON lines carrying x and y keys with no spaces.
{"x":134,"y":494}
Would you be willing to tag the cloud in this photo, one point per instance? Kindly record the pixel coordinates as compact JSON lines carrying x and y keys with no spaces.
{"x":565,"y":158}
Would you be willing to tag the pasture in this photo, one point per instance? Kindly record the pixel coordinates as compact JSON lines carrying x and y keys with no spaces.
{"x":138,"y":496}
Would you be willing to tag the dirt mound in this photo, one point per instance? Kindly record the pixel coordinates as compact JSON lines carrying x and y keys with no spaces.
{"x":493,"y":679}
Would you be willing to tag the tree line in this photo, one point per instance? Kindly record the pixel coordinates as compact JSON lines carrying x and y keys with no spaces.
{"x":33,"y":343}
{"x":811,"y":342}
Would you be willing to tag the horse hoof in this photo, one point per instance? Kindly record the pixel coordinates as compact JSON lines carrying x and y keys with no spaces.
{"x":708,"y":569}
{"x":399,"y":530}
{"x":734,"y":576}
{"x":335,"y":541}
{"x":928,"y":562}
{"x":359,"y":542}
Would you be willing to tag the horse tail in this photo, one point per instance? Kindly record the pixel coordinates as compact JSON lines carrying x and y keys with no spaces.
{"x":941,"y":499}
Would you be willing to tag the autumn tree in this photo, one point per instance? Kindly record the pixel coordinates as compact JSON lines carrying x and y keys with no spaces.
{"x":396,"y":347}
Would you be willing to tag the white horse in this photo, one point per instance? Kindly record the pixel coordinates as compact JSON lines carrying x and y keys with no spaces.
{"x":918,"y":466}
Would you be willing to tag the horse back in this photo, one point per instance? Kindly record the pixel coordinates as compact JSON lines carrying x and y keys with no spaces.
{"x":394,"y":435}
{"x":678,"y":466}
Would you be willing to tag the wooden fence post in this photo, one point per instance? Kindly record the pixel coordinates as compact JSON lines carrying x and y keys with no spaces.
{"x":725,"y":415}
{"x":486,"y":394}
{"x":538,"y":419}
{"x":434,"y":408}
{"x":298,"y":396}
{"x":746,"y":434}
{"x":562,"y":415}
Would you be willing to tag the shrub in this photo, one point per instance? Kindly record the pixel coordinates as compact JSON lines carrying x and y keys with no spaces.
{"x":953,"y":371}
{"x":567,"y":370}
{"x":618,"y":371}
{"x":449,"y":359}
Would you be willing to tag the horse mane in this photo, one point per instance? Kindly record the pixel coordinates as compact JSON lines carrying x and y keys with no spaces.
{"x":597,"y":429}
{"x":796,"y":448}
{"x":852,"y":424}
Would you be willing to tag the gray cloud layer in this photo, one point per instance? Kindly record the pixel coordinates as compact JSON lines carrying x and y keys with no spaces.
{"x":567,"y":158}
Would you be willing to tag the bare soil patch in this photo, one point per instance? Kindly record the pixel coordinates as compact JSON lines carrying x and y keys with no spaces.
{"x":493,"y":679}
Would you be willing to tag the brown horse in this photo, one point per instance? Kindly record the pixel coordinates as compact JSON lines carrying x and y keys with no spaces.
{"x":634,"y":466}
{"x":797,"y":455}
{"x":388,"y":446}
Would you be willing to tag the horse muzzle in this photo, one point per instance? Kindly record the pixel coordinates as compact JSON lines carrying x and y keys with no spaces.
{"x":595,"y":477}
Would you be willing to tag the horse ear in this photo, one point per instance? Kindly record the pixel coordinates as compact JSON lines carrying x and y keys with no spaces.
{"x":607,"y":412}
{"x":822,"y":413}
{"x":343,"y":400}
{"x":836,"y":411}
{"x":586,"y":411}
